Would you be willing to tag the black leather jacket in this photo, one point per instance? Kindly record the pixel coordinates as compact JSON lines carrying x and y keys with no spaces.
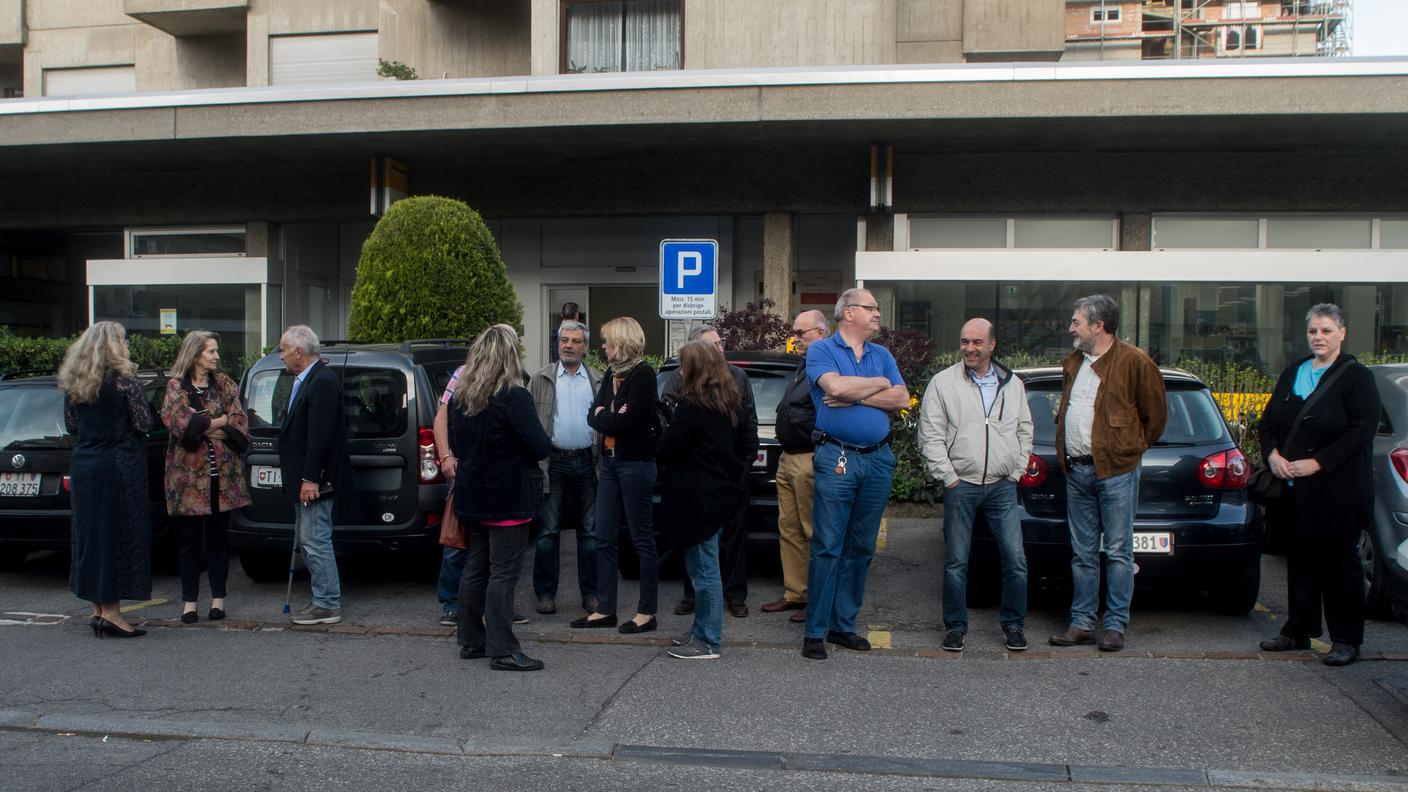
{"x":796,"y":414}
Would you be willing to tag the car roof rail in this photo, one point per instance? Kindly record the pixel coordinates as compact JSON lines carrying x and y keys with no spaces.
{"x":444,"y":342}
{"x":341,"y":342}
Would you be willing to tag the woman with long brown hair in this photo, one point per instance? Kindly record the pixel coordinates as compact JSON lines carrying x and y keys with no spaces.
{"x":204,"y":476}
{"x":106,"y":407}
{"x":703,"y":453}
{"x":497,"y":443}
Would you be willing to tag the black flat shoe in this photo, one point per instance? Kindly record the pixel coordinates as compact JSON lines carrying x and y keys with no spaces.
{"x":849,"y":640}
{"x":1284,"y":643}
{"x":189,"y":617}
{"x":587,"y":622}
{"x":216,"y":614}
{"x":106,"y":629}
{"x":516,"y":662}
{"x":472,"y":653}
{"x":631,"y":628}
{"x":1341,"y":654}
{"x":813,"y":649}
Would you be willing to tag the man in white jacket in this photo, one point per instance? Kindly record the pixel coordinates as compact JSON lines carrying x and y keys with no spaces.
{"x":975,"y":431}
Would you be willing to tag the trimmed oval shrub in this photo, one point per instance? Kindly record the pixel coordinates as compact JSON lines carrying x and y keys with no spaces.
{"x":430,"y":269}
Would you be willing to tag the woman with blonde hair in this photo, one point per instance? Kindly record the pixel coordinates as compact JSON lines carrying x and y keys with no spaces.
{"x":204,"y":476}
{"x":497,"y":443}
{"x":106,"y":407}
{"x":704,"y":453}
{"x":623,"y":415}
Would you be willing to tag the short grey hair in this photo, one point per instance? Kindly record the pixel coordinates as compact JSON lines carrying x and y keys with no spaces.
{"x":846,"y":297}
{"x":697,"y":333}
{"x":1329,"y":311}
{"x":572,"y":324}
{"x":1100,"y":308}
{"x":302,"y":337}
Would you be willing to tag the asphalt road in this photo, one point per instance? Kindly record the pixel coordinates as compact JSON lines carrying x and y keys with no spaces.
{"x":251,"y":703}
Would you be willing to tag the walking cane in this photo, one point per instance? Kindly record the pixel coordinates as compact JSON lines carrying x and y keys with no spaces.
{"x":292,"y":561}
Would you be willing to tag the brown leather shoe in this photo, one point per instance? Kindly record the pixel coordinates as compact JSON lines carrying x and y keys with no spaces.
{"x":1112,"y":641}
{"x":784,"y":604}
{"x":800,"y":617}
{"x":1073,"y":636}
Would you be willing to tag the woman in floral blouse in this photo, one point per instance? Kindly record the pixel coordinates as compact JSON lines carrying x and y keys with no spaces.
{"x":204,"y":477}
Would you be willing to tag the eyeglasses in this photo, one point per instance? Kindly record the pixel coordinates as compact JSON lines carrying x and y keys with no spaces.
{"x":874,"y":308}
{"x":803,"y":333}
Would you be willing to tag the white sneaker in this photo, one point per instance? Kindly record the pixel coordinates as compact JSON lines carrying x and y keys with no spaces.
{"x":694,"y":650}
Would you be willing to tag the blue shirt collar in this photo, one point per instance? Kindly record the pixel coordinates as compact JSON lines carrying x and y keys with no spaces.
{"x":581,"y":370}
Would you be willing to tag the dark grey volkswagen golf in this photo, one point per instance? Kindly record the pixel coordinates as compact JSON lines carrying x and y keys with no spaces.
{"x":1195,"y":529}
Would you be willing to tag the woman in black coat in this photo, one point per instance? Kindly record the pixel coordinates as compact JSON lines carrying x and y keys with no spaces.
{"x":106,"y":406}
{"x":623,"y":416}
{"x":497,"y":442}
{"x":1329,"y":494}
{"x":703,"y":453}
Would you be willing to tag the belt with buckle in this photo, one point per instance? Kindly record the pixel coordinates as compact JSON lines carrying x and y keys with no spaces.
{"x":572,"y":452}
{"x":1080,"y":460}
{"x":859,"y":449}
{"x":608,"y":452}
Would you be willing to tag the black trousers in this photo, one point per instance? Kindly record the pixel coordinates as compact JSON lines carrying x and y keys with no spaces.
{"x":205,"y":543}
{"x":733,"y":553}
{"x":1324,"y":572}
{"x":494,"y":558}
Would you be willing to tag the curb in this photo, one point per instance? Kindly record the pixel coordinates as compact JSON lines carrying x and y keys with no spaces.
{"x":933,"y":653}
{"x":851,"y":764}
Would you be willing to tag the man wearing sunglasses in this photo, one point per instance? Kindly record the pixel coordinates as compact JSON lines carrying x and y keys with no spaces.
{"x":855,"y":385}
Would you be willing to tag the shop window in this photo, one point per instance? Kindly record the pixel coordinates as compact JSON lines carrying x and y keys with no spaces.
{"x":1096,"y":233}
{"x":145,"y":242}
{"x":1088,"y":233}
{"x":626,"y":35}
{"x":957,"y":232}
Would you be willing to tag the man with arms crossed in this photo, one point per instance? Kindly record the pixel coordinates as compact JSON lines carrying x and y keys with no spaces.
{"x":1112,"y":409}
{"x":315,"y":467}
{"x":975,"y":432}
{"x":796,"y":418}
{"x":855,"y":386}
{"x":563,"y":393}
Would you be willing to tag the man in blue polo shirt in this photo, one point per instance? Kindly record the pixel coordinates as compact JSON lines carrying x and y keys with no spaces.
{"x":855,"y":386}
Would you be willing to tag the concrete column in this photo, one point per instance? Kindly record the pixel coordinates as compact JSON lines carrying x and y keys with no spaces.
{"x":879,"y":232}
{"x":545,"y":36}
{"x":777,"y":260}
{"x":1136,"y":231}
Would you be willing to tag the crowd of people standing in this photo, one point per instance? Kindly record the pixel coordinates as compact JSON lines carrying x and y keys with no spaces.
{"x":519,"y":449}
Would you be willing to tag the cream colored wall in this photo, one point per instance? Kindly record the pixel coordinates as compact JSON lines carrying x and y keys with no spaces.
{"x":468,"y":38}
{"x":11,"y":22}
{"x":721,"y":34}
{"x":997,"y":27}
{"x":106,"y":37}
{"x":282,"y":17}
{"x":929,"y":31}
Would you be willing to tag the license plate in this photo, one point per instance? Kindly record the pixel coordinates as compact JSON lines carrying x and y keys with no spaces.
{"x":1149,"y":543}
{"x":761,"y":460}
{"x":19,"y":484}
{"x":266,"y":477}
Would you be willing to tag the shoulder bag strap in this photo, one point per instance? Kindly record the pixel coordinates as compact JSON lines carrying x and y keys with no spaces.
{"x":1314,"y":397}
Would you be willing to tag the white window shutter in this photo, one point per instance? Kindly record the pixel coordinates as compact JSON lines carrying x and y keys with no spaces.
{"x":87,"y":81}
{"x":338,"y":57}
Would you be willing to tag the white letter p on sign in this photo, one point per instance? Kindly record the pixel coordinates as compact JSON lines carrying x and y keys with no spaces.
{"x":691,"y":263}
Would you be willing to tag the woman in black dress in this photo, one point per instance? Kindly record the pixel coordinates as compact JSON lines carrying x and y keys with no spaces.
{"x":1328,"y":498}
{"x":106,"y":408}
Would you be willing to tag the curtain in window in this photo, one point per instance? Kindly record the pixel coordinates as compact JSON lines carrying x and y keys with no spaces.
{"x":652,"y":35}
{"x":594,"y":37}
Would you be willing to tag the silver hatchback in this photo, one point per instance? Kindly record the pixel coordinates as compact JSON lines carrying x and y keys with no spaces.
{"x":1384,"y":549}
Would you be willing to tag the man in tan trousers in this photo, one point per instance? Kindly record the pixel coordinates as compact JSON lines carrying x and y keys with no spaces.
{"x":796,"y":415}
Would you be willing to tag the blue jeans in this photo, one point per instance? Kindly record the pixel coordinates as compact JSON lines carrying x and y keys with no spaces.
{"x":567,"y":474}
{"x":1097,"y":508}
{"x":998,"y":502}
{"x":312,"y":525}
{"x":701,"y":562}
{"x":846,"y":513}
{"x":625,"y":488}
{"x":451,"y":570}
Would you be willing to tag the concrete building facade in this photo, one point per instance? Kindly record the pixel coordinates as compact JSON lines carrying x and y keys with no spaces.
{"x":932,"y":149}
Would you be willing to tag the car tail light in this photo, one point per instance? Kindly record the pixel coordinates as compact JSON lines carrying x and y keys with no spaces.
{"x":432,"y":519}
{"x":1399,"y":458}
{"x":429,"y":461}
{"x":1225,"y":470}
{"x":68,"y":484}
{"x":1035,"y":474}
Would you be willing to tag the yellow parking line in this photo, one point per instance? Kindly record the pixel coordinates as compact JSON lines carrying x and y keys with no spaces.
{"x":879,"y":637}
{"x":1259,"y":608}
{"x":139,"y":605}
{"x":1319,"y":645}
{"x":880,"y":537}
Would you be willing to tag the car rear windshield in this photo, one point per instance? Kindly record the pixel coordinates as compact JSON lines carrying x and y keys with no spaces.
{"x":768,"y":389}
{"x":1193,"y":418}
{"x":374,"y":399}
{"x":32,"y":417}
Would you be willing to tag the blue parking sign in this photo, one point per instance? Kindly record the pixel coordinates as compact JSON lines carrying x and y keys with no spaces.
{"x":689,"y":278}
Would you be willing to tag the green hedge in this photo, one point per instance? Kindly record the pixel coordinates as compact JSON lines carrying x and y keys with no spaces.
{"x":43,"y":355}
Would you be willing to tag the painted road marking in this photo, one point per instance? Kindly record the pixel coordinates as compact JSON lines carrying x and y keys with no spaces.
{"x":140,"y":605}
{"x":1259,"y":608}
{"x":879,"y":636}
{"x":880,"y":537}
{"x":27,"y":618}
{"x":1319,"y":645}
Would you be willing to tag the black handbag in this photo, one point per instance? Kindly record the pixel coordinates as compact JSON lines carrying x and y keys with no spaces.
{"x":1264,"y":487}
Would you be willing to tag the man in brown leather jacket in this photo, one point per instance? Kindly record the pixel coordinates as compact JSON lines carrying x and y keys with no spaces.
{"x":1112,"y":409}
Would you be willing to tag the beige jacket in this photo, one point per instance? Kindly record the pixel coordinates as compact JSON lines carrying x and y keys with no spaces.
{"x":959,"y":442}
